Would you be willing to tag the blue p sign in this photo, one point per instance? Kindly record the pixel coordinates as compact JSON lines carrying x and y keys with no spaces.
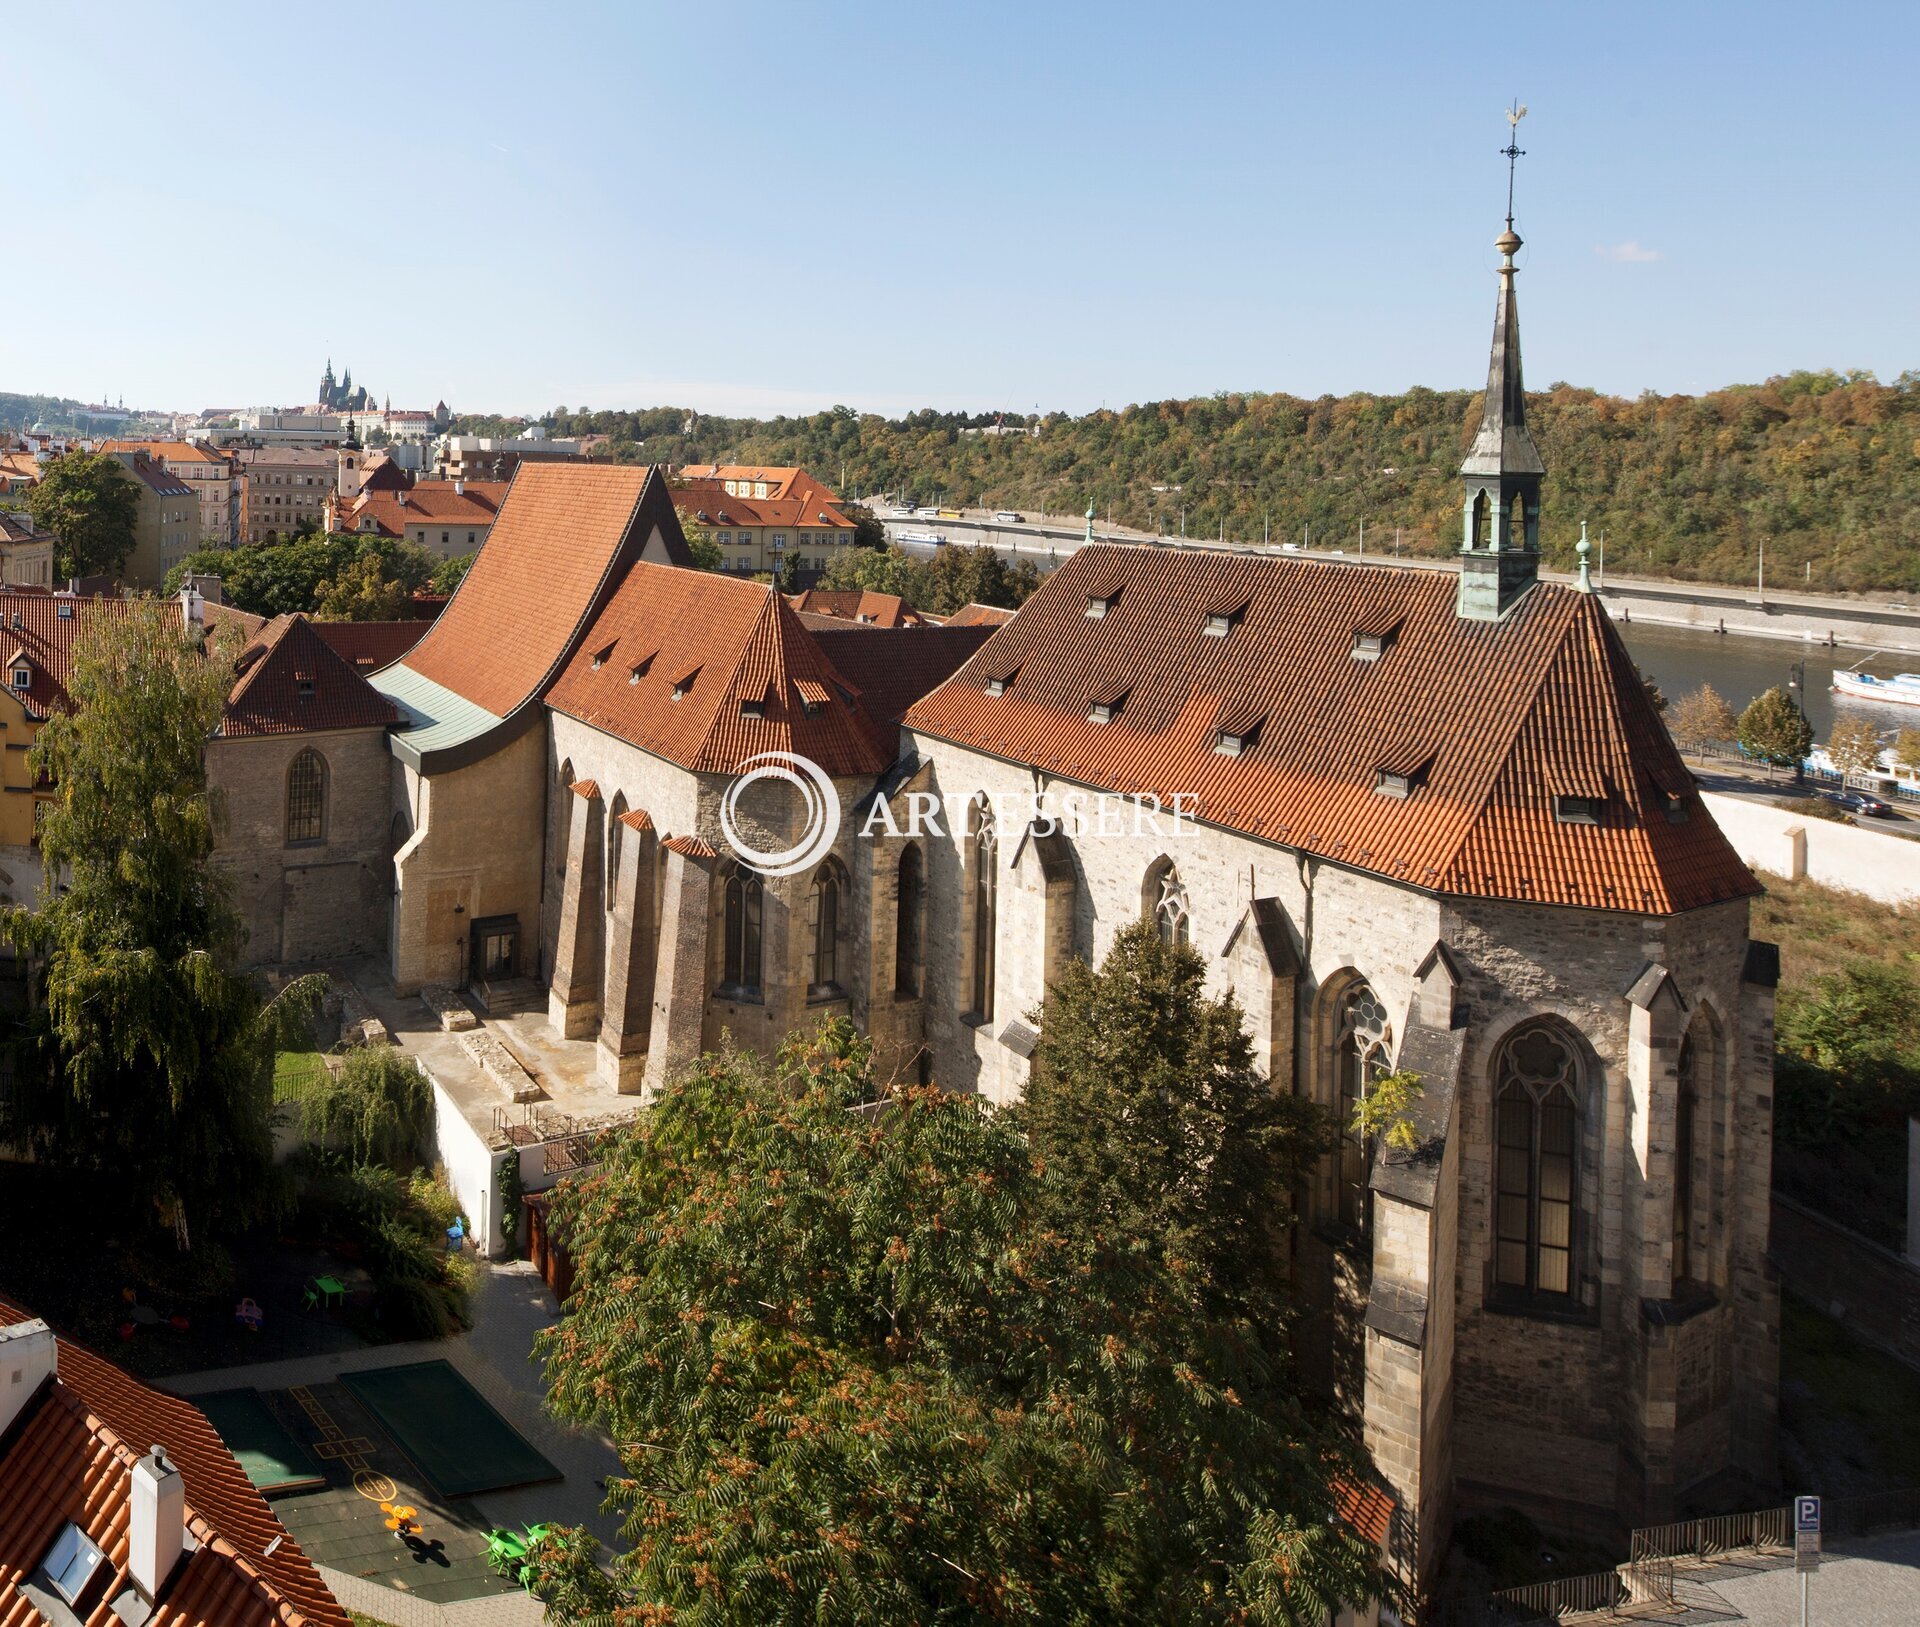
{"x":1806,"y":1513}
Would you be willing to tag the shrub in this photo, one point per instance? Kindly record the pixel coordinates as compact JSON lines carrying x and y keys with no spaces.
{"x":376,"y":1109}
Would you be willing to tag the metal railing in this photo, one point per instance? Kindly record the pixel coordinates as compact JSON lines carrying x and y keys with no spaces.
{"x":1600,"y":1593}
{"x":1710,"y":1538}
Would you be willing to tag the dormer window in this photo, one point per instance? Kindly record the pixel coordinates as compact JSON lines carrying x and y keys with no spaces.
{"x":1572,"y":810}
{"x":65,"y":610}
{"x":1402,"y":774}
{"x":603,"y":655}
{"x":999,"y":677}
{"x":753,"y":708}
{"x":813,"y":695}
{"x":1229,"y":744}
{"x":1374,"y":636}
{"x":1106,"y":705}
{"x":303,"y":687}
{"x":22,"y":677}
{"x":1238,"y":730}
{"x":1223,"y":613}
{"x":639,"y":669}
{"x":683,"y":685}
{"x":1098,"y":604}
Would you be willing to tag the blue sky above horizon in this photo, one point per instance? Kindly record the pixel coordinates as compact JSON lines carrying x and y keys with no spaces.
{"x":776,"y":207}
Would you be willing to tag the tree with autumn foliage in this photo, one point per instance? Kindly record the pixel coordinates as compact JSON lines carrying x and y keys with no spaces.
{"x":1702,"y":718}
{"x":855,"y":1376}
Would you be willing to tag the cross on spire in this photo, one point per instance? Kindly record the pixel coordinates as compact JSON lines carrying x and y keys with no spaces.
{"x":1513,"y":151}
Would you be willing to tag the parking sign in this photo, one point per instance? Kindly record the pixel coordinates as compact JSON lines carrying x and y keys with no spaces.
{"x":1806,"y":1534}
{"x":1806,"y":1514}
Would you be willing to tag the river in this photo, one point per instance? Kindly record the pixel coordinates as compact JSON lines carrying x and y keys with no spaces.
{"x":1680,"y":660}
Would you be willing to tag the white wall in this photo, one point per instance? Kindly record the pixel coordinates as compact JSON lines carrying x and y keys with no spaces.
{"x":473,"y":1170}
{"x":1852,"y":858}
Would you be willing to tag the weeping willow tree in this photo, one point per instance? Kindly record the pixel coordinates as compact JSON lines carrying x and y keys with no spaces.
{"x":145,"y":1057}
{"x":377,"y":1109}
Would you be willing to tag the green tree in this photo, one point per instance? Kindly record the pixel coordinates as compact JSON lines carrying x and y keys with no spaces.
{"x":1774,"y":730}
{"x":1854,"y":746}
{"x":363,"y":592}
{"x":891,"y":570}
{"x":148,"y":1060}
{"x":868,"y":532}
{"x":855,"y":1377}
{"x":1152,"y":1121}
{"x":1906,"y":750}
{"x":706,"y":552}
{"x":377,"y":1109}
{"x":268,"y":579}
{"x":450,"y":573}
{"x":1702,"y":718}
{"x":91,"y":503}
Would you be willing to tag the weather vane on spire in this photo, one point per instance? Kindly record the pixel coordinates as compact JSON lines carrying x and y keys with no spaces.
{"x":1513,"y":151}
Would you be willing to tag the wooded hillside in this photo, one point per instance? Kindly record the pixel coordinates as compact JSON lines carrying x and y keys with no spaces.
{"x":1825,"y":467}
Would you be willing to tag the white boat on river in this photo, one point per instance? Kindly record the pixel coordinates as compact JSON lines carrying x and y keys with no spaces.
{"x":1900,"y":690}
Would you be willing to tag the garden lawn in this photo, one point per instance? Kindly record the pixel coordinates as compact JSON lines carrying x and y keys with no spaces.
{"x":296,"y":1074}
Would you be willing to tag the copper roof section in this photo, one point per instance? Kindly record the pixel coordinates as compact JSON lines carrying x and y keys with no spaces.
{"x":1501,"y":706}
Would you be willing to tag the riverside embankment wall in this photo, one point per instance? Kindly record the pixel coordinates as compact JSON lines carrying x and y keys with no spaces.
{"x":1852,"y":858}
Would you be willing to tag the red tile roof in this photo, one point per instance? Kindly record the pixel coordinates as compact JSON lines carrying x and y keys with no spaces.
{"x":70,"y":1460}
{"x":368,"y":646}
{"x":979,"y":615}
{"x":168,"y":451}
{"x":290,"y":681}
{"x":857,"y":605}
{"x":1503,"y":709}
{"x":387,"y":512}
{"x":550,"y":560}
{"x":892,"y":667}
{"x":722,"y":642}
{"x":809,"y":508}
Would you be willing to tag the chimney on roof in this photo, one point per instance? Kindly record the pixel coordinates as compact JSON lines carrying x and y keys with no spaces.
{"x":156,"y":1523}
{"x":459,"y":488}
{"x":193,"y":608}
{"x":28,"y":1359}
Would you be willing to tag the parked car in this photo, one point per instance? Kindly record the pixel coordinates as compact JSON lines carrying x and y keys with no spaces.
{"x":1861,"y":802}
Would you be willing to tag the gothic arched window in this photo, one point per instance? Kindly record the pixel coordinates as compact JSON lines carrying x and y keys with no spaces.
{"x":744,"y":903}
{"x":307,"y":799}
{"x":1481,"y":527}
{"x":823,"y":925}
{"x":610,"y":884}
{"x":1363,"y":1052}
{"x":1686,"y":1104}
{"x":986,"y":891}
{"x":1165,"y":900}
{"x":1517,"y":521}
{"x":1536,"y":1101}
{"x":906,"y":922}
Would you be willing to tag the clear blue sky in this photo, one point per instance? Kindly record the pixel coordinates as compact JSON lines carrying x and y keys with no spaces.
{"x":775,"y":207}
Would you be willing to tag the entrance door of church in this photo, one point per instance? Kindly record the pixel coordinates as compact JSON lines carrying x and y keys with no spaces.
{"x":496,"y":947}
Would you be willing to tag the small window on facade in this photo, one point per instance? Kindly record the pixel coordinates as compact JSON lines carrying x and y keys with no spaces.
{"x":1577,"y":810}
{"x":753,"y":708}
{"x":306,"y":798}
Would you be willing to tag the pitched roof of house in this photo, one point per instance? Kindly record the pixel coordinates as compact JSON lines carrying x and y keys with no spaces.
{"x":169,"y":451}
{"x":70,"y":1458}
{"x":388,"y":511}
{"x":289,"y":680}
{"x":892,"y":667}
{"x":1492,"y":721}
{"x":711,"y":503}
{"x":549,"y":562}
{"x":367,"y":646}
{"x":381,"y":473}
{"x":979,"y":615}
{"x":725,"y":645}
{"x":857,"y":605}
{"x":154,"y":474}
{"x":17,"y":525}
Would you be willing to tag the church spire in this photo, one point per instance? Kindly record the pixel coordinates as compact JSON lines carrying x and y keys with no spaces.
{"x":1500,"y":551}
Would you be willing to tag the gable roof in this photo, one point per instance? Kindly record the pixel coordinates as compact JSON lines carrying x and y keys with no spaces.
{"x":859,"y":605}
{"x":892,"y":667}
{"x":387,"y":510}
{"x":721,"y":642}
{"x":549,"y":563}
{"x":69,"y":1460}
{"x":168,"y":451}
{"x":1501,"y":712}
{"x":804,"y":505}
{"x":290,"y":681}
{"x":367,"y":646}
{"x":979,"y":615}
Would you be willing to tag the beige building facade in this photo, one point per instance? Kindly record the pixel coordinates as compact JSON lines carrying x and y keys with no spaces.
{"x":282,"y":488}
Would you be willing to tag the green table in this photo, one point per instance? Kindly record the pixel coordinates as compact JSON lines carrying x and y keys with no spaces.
{"x":332,"y":1290}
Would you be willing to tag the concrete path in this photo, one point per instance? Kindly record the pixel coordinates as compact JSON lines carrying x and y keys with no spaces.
{"x":510,"y":1305}
{"x":1870,"y":1583}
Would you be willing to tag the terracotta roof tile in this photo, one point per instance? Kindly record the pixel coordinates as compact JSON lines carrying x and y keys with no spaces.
{"x":979,"y":615}
{"x":549,"y":561}
{"x":891,"y":668}
{"x":289,"y":681}
{"x":720,"y":641}
{"x":1499,"y":706}
{"x":862,"y":606}
{"x":387,"y":511}
{"x":368,"y":646}
{"x":70,"y":1461}
{"x":807,"y":507}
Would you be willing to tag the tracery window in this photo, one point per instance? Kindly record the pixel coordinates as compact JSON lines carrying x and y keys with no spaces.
{"x":986,"y":891}
{"x":1363,"y":1052}
{"x":745,"y":901}
{"x":307,"y":798}
{"x":1167,"y":905}
{"x":1536,"y":1081}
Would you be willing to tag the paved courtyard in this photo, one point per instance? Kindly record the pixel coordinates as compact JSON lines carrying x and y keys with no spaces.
{"x":442,"y":1579}
{"x":1870,"y":1583}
